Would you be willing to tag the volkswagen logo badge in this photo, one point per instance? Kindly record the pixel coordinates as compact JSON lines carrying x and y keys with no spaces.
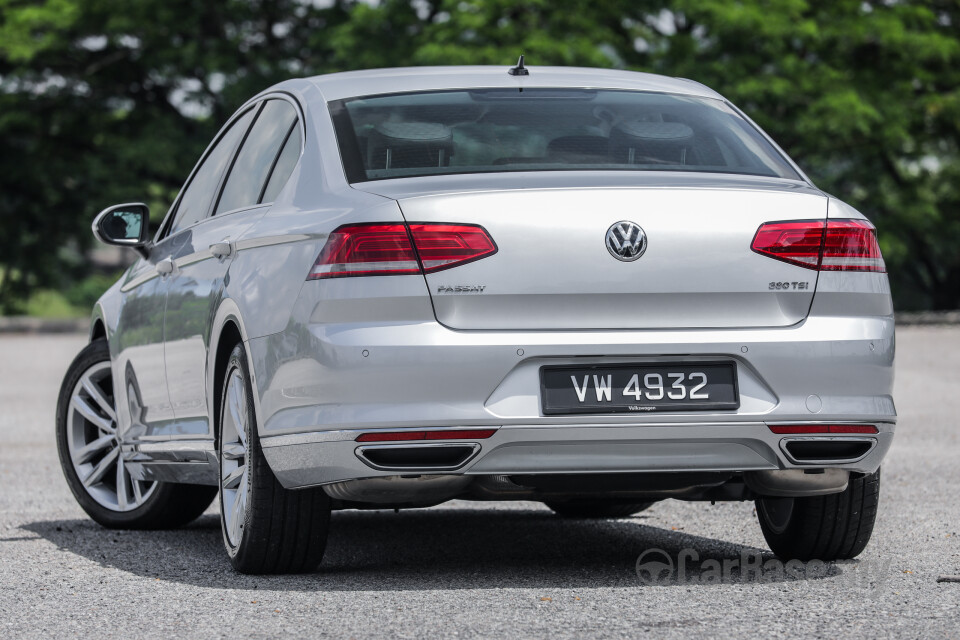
{"x":626,"y":241}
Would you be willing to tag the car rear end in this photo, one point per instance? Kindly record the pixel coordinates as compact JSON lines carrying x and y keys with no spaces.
{"x":494,"y":333}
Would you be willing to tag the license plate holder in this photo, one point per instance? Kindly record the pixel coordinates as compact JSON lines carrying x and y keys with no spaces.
{"x":577,"y":389}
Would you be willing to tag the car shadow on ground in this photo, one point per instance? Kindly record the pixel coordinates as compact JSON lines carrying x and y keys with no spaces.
{"x":439,"y":549}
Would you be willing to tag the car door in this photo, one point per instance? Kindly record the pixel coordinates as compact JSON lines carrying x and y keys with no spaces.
{"x":143,"y":404}
{"x":145,"y":411}
{"x":144,"y":399}
{"x":202,"y":264}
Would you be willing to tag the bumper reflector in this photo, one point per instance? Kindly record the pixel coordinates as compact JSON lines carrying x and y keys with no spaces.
{"x":803,"y":429}
{"x":444,"y":434}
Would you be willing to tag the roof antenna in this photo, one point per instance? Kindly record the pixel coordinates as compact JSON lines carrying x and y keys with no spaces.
{"x":519,"y":70}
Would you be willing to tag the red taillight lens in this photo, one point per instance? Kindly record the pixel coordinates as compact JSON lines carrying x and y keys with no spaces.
{"x":838,"y":245}
{"x":794,"y":242}
{"x":443,"y":434}
{"x":803,"y":429}
{"x":366,"y":250}
{"x":442,"y":246}
{"x":851,"y":245}
{"x":388,"y":249}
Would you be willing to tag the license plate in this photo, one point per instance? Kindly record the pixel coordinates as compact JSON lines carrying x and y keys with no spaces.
{"x":639,"y":388}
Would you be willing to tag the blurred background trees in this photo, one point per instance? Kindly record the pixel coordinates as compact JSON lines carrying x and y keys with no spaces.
{"x":106,"y":101}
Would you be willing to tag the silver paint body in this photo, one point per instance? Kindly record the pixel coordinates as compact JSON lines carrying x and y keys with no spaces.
{"x":335,"y":358}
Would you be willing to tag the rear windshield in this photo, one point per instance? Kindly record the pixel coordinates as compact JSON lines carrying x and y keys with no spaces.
{"x":497,"y":130}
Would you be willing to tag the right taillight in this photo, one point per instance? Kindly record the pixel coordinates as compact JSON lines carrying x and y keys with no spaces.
{"x":851,"y":245}
{"x":394,"y":249}
{"x":834,"y":245}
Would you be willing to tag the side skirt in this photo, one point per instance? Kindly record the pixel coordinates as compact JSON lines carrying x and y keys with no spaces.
{"x":180,"y":461}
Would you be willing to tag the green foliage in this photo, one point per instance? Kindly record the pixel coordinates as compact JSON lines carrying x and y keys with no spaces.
{"x":46,"y":303}
{"x":72,"y":300}
{"x":105,"y":101}
{"x":85,"y":293}
{"x":29,"y":29}
{"x":866,"y":97}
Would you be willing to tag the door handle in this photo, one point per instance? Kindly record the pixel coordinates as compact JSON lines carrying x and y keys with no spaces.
{"x":165,"y":267}
{"x":221,"y":249}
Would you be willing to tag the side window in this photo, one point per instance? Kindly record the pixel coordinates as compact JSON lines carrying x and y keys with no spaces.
{"x":285,"y":164}
{"x":195,"y":203}
{"x":257,"y":155}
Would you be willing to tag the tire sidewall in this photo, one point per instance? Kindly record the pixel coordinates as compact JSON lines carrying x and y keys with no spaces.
{"x":768,"y":516}
{"x":827,"y":527}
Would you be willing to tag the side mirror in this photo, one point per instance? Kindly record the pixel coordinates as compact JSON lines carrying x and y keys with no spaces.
{"x":124,"y":225}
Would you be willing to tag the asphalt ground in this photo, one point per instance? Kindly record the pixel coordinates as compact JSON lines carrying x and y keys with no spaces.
{"x":468,"y":570}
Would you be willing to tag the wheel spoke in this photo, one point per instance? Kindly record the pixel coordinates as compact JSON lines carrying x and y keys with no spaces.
{"x":235,"y":411}
{"x":232,"y":479}
{"x":121,"y":484}
{"x":86,"y":453}
{"x":95,"y":392}
{"x":242,"y":409}
{"x":88,"y":412}
{"x":241,"y":399}
{"x":137,"y":491}
{"x":101,"y":469}
{"x":235,"y":451}
{"x":232,"y":524}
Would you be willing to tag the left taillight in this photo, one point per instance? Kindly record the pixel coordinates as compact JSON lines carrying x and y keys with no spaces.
{"x":395,"y":249}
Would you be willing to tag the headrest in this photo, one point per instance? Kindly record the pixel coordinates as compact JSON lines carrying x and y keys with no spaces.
{"x":655,"y":131}
{"x":422,"y":132}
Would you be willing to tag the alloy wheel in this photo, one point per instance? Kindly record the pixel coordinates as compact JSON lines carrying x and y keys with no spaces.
{"x":95,"y":446}
{"x":233,"y":458}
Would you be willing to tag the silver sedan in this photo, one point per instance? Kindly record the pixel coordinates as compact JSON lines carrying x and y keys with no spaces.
{"x":389,"y":289}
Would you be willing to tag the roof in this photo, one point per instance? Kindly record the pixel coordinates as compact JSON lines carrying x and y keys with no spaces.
{"x":350,"y":84}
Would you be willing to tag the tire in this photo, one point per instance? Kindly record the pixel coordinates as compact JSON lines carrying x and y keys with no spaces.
{"x":597,"y":508}
{"x":832,"y":527}
{"x":95,"y":470}
{"x":266,"y":528}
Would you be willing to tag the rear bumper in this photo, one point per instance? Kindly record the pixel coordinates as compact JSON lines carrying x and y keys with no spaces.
{"x":324,"y":457}
{"x":320,"y":377}
{"x":318,"y":386}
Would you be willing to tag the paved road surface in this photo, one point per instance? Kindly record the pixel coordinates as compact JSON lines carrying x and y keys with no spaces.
{"x":481,"y":570}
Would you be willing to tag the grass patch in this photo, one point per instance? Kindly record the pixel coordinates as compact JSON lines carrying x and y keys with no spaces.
{"x":74,"y":301}
{"x":47,"y":303}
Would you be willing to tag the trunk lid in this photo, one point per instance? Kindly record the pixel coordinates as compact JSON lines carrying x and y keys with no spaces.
{"x":553,"y":270}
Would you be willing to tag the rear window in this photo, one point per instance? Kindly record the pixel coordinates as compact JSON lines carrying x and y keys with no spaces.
{"x":500,"y":130}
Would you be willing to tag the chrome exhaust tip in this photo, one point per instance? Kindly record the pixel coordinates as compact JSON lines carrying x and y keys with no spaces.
{"x":417,"y":457}
{"x":829,"y":450}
